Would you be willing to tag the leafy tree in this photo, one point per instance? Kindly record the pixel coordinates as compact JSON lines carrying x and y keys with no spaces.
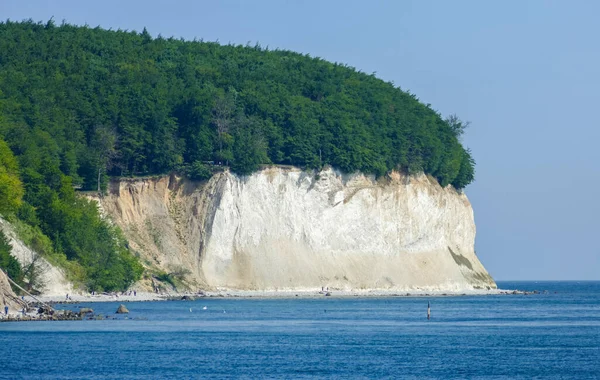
{"x":11,"y":189}
{"x":8,"y":263}
{"x":249,"y":147}
{"x":199,"y":171}
{"x":456,"y":125}
{"x":224,"y":112}
{"x":104,"y":150}
{"x":466,"y":172}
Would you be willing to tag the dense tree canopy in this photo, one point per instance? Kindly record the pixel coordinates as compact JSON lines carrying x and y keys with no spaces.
{"x":78,"y":104}
{"x":125,"y":103}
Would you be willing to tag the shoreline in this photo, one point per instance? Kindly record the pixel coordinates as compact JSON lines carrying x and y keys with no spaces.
{"x":270,"y":294}
{"x":55,"y":300}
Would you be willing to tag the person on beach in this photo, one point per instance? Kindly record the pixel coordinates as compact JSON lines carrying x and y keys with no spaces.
{"x":6,"y":309}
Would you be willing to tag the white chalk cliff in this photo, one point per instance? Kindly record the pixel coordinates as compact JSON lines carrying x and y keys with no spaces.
{"x":284,"y":229}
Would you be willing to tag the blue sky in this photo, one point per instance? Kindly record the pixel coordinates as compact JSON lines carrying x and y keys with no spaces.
{"x":525,"y":73}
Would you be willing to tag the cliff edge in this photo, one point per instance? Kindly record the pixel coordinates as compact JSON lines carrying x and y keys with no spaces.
{"x":287,"y":229}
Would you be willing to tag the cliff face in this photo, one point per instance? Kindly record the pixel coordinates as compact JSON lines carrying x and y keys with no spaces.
{"x":288,"y":229}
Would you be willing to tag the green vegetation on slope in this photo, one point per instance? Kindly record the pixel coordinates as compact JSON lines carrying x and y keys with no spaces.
{"x":79,"y":104}
{"x":93,"y":251}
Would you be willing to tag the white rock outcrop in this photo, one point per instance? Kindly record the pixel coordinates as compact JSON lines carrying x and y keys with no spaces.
{"x":8,"y":297}
{"x":52,"y":280}
{"x":286,"y":229}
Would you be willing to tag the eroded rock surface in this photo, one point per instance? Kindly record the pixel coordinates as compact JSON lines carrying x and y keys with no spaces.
{"x":283,"y":228}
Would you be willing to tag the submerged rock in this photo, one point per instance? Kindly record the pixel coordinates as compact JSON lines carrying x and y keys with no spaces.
{"x":85,"y":310}
{"x":122,"y":309}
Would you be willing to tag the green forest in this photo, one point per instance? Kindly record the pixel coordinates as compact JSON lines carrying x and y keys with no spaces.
{"x":79,"y":105}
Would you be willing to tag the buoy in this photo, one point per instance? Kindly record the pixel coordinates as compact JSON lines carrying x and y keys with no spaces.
{"x":204,"y":308}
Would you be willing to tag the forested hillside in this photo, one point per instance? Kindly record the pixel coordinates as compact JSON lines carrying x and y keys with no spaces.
{"x":79,"y":104}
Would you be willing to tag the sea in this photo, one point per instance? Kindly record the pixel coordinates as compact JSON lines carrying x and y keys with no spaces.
{"x":551,"y":335}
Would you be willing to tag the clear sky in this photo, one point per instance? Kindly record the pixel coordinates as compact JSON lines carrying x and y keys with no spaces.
{"x":525,"y":73}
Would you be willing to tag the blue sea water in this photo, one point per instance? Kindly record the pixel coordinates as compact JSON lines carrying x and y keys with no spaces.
{"x":555,"y":334}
